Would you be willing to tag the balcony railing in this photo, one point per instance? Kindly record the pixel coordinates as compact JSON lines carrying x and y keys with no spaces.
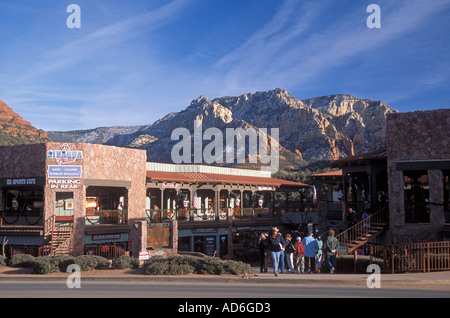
{"x":97,"y":217}
{"x":197,"y":215}
{"x":25,"y":218}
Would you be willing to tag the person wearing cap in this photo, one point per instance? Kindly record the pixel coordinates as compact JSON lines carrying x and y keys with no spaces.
{"x":276,"y":246}
{"x":299,"y":255}
{"x":311,"y":249}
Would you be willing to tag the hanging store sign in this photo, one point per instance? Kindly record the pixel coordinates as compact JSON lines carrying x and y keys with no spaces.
{"x":65,"y":155}
{"x":101,"y":237}
{"x":65,"y":172}
{"x":171,"y":185}
{"x":264,"y":188}
{"x":21,"y":181}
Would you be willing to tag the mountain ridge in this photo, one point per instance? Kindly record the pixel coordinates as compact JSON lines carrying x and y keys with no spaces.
{"x":318,"y":129}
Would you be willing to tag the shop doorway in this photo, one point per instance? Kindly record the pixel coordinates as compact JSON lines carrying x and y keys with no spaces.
{"x":64,"y":209}
{"x":205,"y":245}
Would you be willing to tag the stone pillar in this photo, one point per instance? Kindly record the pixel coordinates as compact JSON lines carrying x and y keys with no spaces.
{"x":138,"y":235}
{"x":79,"y":217}
{"x":174,"y":236}
{"x":396,"y":204}
{"x":437,"y":218}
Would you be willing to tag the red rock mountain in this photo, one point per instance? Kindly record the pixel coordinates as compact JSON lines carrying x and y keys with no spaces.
{"x":15,"y":130}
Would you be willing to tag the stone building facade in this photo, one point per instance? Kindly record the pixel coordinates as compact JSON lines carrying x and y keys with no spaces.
{"x":77,"y":198}
{"x":48,"y":185}
{"x":418,"y":163}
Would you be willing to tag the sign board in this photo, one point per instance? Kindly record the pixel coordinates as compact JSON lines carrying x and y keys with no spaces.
{"x":64,"y":171}
{"x":144,"y":255}
{"x":100,"y":237}
{"x":171,"y":185}
{"x":21,"y":181}
{"x":64,"y":183}
{"x":158,"y":235}
{"x":65,"y":155}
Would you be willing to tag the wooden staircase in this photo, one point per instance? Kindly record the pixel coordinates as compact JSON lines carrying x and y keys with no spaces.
{"x":359,"y":234}
{"x":59,"y":238}
{"x":62,"y":243}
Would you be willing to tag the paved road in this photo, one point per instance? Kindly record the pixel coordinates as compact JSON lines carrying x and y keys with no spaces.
{"x":190,"y":290}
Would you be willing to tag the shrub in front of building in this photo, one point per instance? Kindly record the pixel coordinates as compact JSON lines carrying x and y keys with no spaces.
{"x":166,"y":268}
{"x":91,"y":262}
{"x":184,"y":265}
{"x":125,"y":261}
{"x":51,"y":264}
{"x":3,"y":261}
{"x":22,"y":260}
{"x":46,"y":264}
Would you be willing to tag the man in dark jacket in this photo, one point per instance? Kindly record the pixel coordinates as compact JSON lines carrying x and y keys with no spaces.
{"x":351,"y":217}
{"x":331,"y":250}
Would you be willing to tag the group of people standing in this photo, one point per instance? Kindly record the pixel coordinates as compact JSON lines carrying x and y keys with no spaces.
{"x":303,"y":256}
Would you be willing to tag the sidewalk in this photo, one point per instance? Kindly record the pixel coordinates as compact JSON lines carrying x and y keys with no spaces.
{"x":441,"y":279}
{"x":434,"y":278}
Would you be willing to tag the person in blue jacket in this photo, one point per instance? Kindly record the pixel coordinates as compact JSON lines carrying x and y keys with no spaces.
{"x":311,"y":249}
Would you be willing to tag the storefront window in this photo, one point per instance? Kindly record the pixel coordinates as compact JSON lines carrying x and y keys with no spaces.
{"x":446,"y":177}
{"x":106,"y":205}
{"x":108,"y":198}
{"x":24,"y":200}
{"x":416,"y":193}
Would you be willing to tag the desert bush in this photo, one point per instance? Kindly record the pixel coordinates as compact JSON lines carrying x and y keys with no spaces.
{"x":175,"y":265}
{"x":90,"y":262}
{"x":46,"y":265}
{"x":22,"y":260}
{"x":236,"y":268}
{"x":180,"y":269}
{"x":183,"y":265}
{"x":209,"y":266}
{"x":157,"y":268}
{"x":65,"y":261}
{"x":50,"y":264}
{"x":3,"y":261}
{"x":125,"y":261}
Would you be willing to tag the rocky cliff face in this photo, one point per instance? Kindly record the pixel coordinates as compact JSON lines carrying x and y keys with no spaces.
{"x":317,"y":129}
{"x":15,"y":130}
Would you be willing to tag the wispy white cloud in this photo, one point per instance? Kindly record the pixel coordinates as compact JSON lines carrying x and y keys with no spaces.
{"x":263,"y":49}
{"x":116,"y":72}
{"x":75,"y":52}
{"x":102,"y":72}
{"x":283,"y":53}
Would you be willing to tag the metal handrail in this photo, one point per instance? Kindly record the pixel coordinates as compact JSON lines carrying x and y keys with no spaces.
{"x":362,"y":228}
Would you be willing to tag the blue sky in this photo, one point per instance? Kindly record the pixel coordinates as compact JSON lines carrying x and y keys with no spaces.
{"x":133,"y":62}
